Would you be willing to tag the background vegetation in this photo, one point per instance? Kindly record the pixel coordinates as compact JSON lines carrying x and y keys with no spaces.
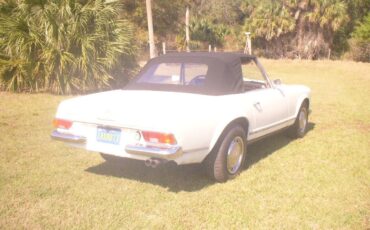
{"x":280,"y":28}
{"x":319,"y":182}
{"x":67,"y":46}
{"x":63,"y":46}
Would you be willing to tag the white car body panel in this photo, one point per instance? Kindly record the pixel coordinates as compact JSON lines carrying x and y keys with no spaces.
{"x":197,"y":121}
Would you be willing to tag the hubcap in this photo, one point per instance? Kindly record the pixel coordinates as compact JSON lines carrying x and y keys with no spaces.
{"x":302,"y":120}
{"x":235,"y":155}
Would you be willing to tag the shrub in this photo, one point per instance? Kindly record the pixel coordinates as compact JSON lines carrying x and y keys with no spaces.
{"x":62,"y":46}
{"x":360,"y":42}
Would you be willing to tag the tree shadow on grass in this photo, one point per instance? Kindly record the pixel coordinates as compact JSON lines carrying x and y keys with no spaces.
{"x":188,"y":178}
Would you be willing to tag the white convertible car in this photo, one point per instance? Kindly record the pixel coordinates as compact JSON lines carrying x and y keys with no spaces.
{"x":186,"y":108}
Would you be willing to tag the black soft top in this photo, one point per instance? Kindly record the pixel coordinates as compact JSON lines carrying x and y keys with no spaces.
{"x":224,"y":75}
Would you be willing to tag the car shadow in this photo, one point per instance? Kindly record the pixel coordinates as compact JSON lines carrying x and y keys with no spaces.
{"x":187,"y":178}
{"x":265,"y":147}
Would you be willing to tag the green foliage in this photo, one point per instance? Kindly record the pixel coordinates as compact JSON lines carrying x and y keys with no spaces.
{"x":62,"y":46}
{"x":218,"y":11}
{"x":296,"y":27}
{"x":329,"y":14}
{"x":362,"y":30}
{"x":66,"y":46}
{"x":356,"y":10}
{"x":205,"y":31}
{"x":270,"y":19}
{"x":360,"y":42}
{"x":167,"y":16}
{"x":280,"y":28}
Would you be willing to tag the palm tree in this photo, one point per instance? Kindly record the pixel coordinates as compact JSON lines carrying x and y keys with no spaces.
{"x":270,"y":22}
{"x":317,"y":25}
{"x":62,"y":46}
{"x":306,"y":25}
{"x":270,"y":19}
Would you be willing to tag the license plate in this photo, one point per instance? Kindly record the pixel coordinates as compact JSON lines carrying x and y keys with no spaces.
{"x":108,"y":135}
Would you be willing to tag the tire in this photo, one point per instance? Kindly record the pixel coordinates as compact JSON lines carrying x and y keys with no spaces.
{"x":228,"y":157}
{"x":299,"y":128}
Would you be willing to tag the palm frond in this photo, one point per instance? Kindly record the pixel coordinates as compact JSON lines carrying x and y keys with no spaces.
{"x":63,"y":46}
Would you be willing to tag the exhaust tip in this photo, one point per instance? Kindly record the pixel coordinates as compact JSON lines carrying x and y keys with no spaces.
{"x":148,"y":162}
{"x":155,"y":163}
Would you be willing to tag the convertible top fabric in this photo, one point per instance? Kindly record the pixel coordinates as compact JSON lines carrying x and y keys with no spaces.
{"x":224,"y":75}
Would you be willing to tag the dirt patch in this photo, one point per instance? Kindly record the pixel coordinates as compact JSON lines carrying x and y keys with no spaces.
{"x":363,"y":127}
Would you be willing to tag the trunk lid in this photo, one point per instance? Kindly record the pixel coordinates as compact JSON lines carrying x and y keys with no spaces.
{"x":152,"y":110}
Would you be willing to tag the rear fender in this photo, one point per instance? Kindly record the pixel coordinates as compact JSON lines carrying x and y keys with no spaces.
{"x":225,"y":126}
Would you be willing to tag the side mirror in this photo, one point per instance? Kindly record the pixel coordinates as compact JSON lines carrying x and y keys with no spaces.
{"x":277,"y":82}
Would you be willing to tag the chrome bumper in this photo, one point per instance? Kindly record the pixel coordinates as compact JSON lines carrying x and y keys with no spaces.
{"x":67,"y":137}
{"x":167,"y":153}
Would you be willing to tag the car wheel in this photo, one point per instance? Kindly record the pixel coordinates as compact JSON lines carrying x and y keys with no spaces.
{"x":299,"y":128}
{"x":227,"y":159}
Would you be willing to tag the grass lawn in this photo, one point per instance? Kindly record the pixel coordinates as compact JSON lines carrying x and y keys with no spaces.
{"x":319,"y":182}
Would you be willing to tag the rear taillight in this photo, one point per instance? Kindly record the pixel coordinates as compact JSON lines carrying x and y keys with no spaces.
{"x":159,"y":138}
{"x":60,"y":123}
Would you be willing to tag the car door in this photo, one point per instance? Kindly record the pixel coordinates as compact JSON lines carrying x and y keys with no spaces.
{"x":268,"y":103}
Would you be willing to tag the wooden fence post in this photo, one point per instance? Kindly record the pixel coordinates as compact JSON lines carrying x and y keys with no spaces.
{"x":164,"y":47}
{"x":248,"y":44}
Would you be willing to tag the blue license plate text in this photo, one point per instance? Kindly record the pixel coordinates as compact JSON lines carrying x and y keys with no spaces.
{"x":108,"y":135}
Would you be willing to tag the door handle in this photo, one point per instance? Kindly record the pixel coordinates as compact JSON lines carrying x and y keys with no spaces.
{"x":257,"y":105}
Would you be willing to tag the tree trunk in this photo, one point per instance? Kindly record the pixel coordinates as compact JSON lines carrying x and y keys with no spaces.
{"x":150,"y":28}
{"x":300,"y":33}
{"x":187,"y":19}
{"x":300,"y":22}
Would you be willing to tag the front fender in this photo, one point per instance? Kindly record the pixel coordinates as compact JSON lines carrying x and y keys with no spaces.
{"x":300,"y":100}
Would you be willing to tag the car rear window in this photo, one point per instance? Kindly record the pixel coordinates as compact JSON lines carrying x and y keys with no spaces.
{"x":175,"y":74}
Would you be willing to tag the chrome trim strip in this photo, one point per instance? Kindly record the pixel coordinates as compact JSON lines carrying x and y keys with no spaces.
{"x":67,"y":137}
{"x":266,"y":135}
{"x":168,"y":153}
{"x":271,"y":126}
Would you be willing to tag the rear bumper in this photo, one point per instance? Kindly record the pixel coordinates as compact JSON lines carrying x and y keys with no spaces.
{"x":167,"y":153}
{"x":67,"y":137}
